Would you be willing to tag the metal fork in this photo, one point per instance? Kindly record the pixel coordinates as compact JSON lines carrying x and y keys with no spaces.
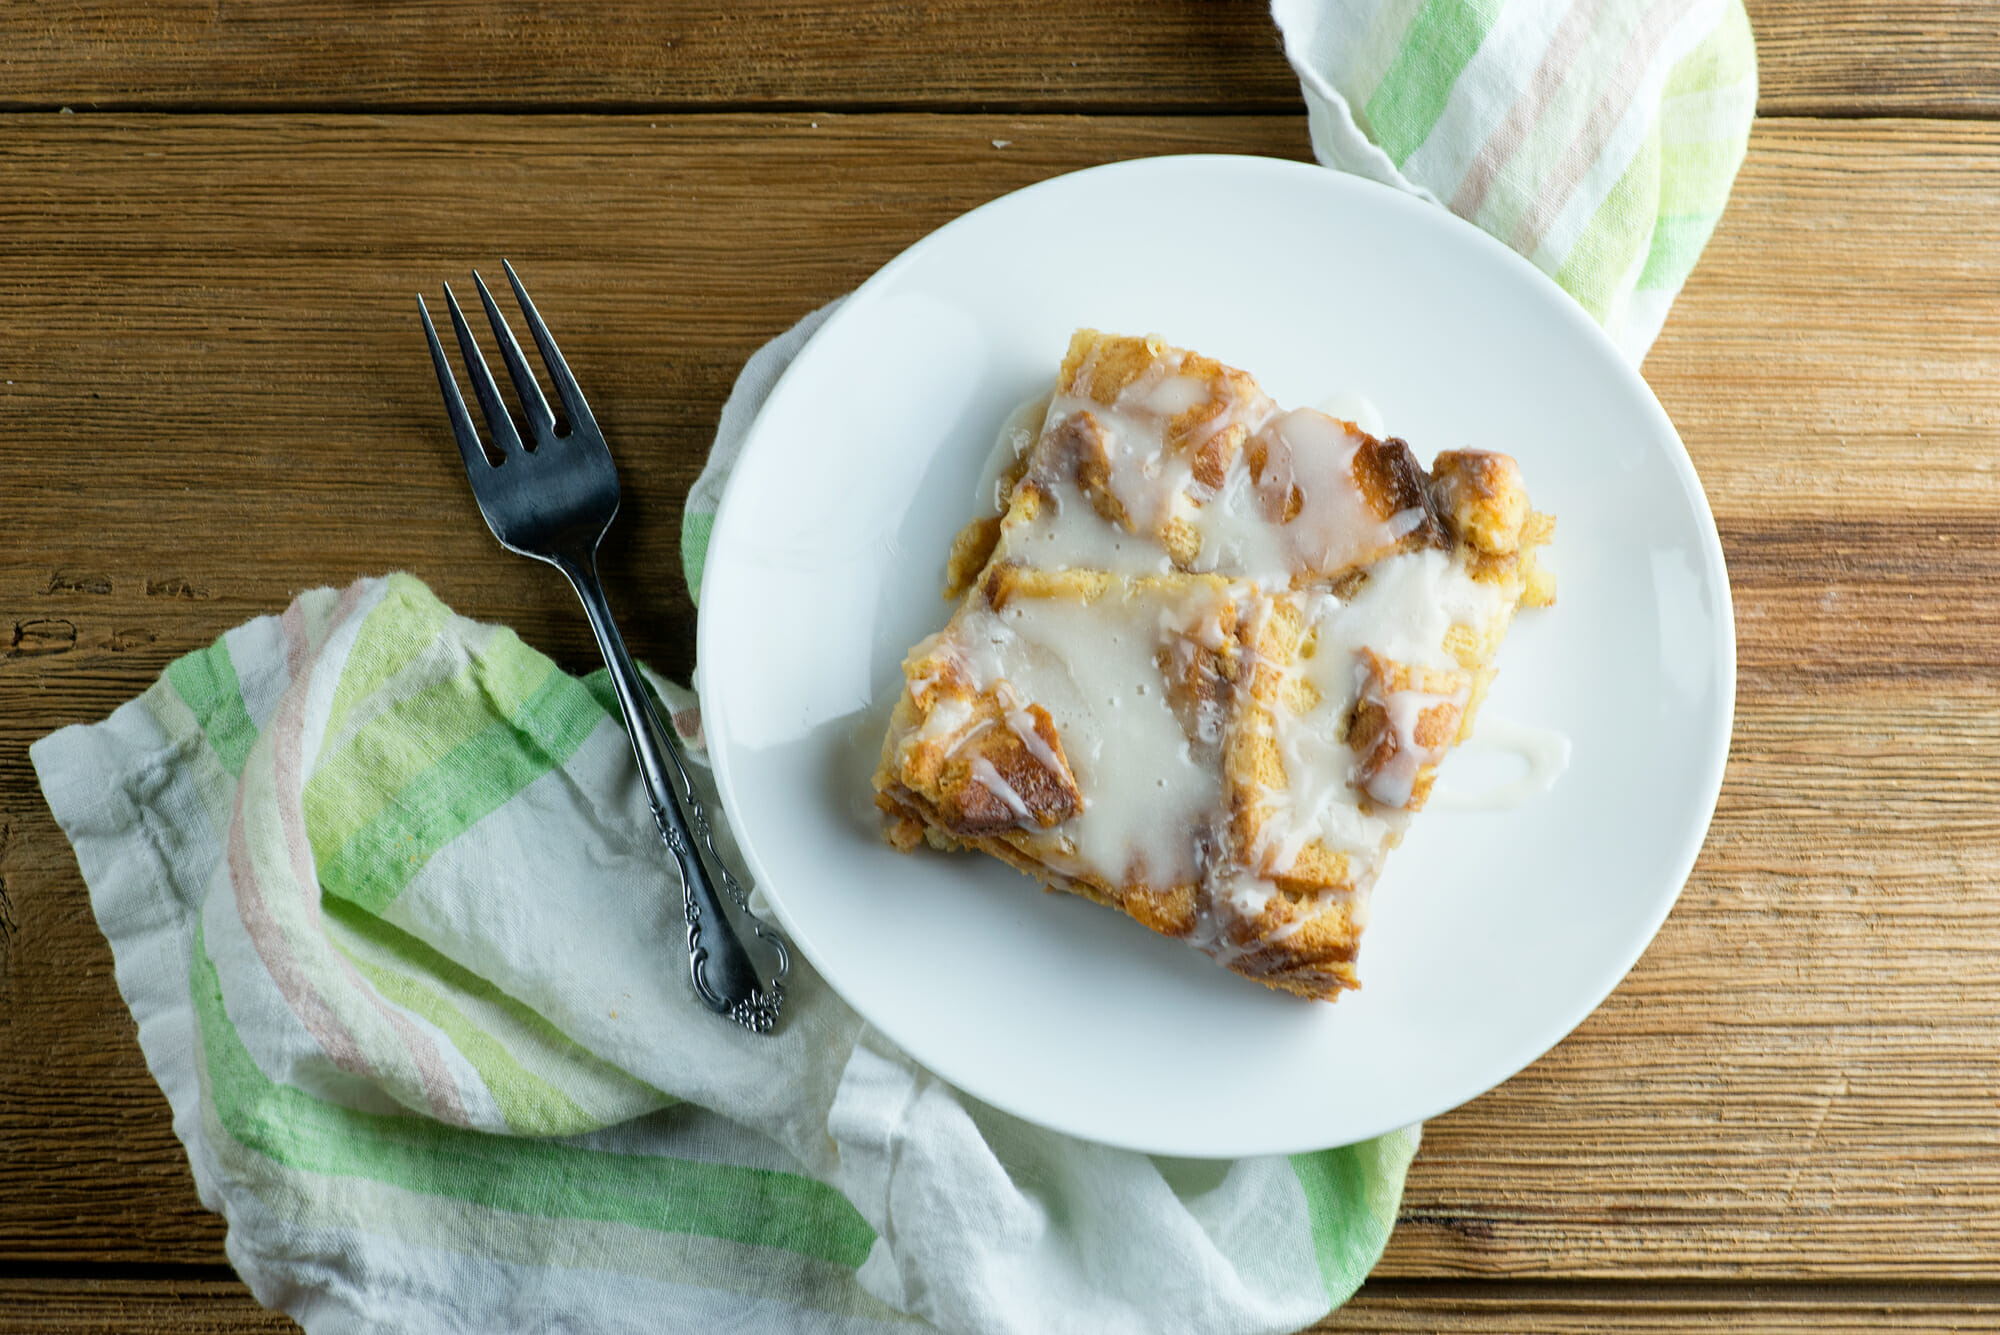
{"x":553,"y":500}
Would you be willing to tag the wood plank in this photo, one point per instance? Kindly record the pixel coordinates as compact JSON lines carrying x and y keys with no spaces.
{"x":1572,"y":1309}
{"x":1877,"y":57}
{"x":1818,"y":57}
{"x":117,"y":1306}
{"x":439,"y":55}
{"x":1836,"y":336}
{"x":124,"y":1306}
{"x":94,"y":1171}
{"x":1796,"y":1081}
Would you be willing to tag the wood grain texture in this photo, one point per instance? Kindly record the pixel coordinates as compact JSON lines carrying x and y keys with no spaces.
{"x":458,"y":55}
{"x":1799,"y":1080}
{"x":1574,"y":1309}
{"x":1833,"y":348}
{"x":224,"y":1307}
{"x":1817,"y":57}
{"x":161,"y":1306}
{"x":1877,"y":57}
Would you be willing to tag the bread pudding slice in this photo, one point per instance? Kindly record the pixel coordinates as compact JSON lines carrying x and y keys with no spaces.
{"x":1206,"y":662}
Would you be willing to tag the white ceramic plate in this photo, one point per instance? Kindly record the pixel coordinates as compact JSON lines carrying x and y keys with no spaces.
{"x":1492,"y":935}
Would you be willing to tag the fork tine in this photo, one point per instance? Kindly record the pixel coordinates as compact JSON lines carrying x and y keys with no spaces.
{"x":534,"y":406}
{"x":572,"y":398}
{"x":483,"y":386}
{"x":454,"y":402}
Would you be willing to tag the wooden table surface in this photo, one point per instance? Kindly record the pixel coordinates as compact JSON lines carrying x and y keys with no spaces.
{"x":213,"y":216}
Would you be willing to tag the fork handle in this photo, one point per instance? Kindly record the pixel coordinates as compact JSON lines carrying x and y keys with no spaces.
{"x":725,"y":977}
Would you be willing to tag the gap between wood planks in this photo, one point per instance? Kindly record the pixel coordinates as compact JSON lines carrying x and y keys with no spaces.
{"x":1790,"y":111}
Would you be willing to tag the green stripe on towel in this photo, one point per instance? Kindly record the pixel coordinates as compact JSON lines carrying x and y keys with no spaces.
{"x":746,"y":1205}
{"x":1439,"y":45}
{"x":206,"y":682}
{"x":428,"y":808}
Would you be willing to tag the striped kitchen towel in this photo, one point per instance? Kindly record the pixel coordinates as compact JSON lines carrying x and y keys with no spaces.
{"x":1599,"y":138}
{"x":384,"y":896}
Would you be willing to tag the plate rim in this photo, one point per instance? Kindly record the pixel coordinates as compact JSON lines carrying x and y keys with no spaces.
{"x":1715,"y":571}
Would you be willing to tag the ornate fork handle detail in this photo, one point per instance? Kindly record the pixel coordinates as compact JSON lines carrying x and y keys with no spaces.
{"x":697,"y":813}
{"x":724,"y":975}
{"x":758,"y":1012}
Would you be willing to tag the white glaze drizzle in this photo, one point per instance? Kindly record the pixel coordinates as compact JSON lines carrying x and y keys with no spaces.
{"x":1359,"y":409}
{"x":1403,"y":613}
{"x":1306,"y":460}
{"x":991,"y":779}
{"x":1022,"y":724}
{"x":1016,"y":437}
{"x":1094,"y":668}
{"x":1153,"y":484}
{"x":1394,"y":783}
{"x":1545,"y":751}
{"x":1070,"y":535}
{"x":1307,"y":457}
